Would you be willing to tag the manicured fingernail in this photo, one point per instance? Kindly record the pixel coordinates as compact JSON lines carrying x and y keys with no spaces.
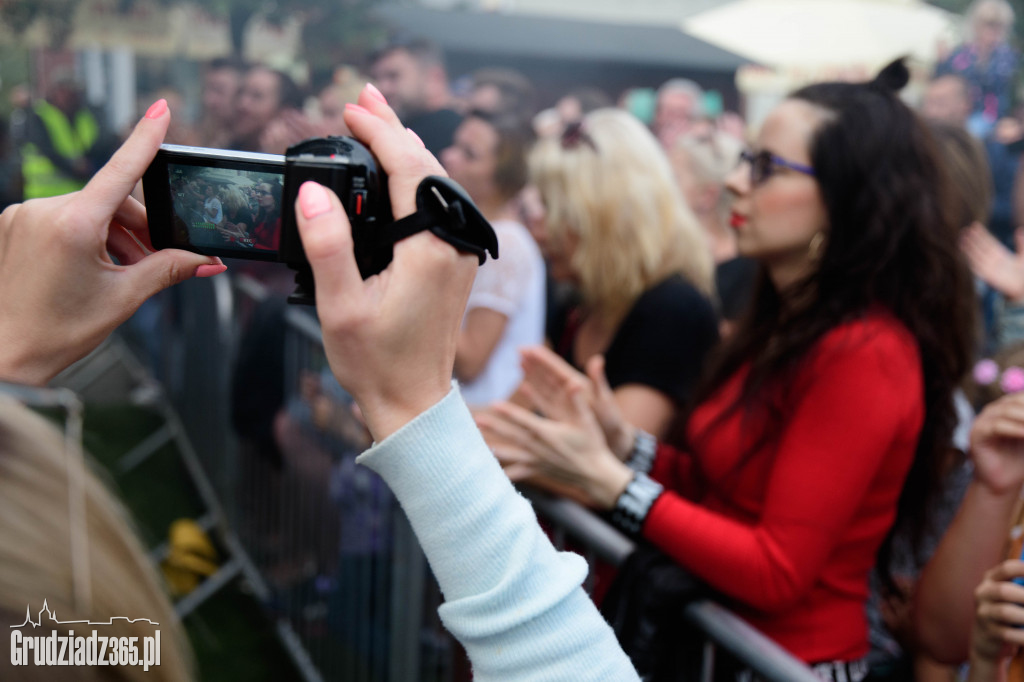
{"x":210,"y":270}
{"x":375,"y":93}
{"x":313,"y":200}
{"x":356,"y":108}
{"x":416,"y":137}
{"x":157,"y":109}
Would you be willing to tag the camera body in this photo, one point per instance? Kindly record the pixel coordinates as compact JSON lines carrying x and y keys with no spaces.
{"x":242,"y":205}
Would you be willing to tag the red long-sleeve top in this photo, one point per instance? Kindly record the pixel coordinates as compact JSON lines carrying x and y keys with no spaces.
{"x":791,"y":531}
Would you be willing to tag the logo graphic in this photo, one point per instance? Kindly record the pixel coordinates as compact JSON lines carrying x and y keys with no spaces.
{"x":53,"y":619}
{"x":69,"y":649}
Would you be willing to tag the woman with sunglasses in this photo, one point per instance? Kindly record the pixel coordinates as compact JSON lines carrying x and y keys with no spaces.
{"x":619,"y":233}
{"x":823,"y":419}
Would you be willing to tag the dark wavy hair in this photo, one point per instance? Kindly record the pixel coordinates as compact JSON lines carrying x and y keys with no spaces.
{"x":891,"y":244}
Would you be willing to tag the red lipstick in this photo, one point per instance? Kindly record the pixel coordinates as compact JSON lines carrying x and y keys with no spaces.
{"x":737,"y":221}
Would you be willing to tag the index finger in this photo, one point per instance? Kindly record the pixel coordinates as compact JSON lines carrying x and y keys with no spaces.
{"x":404,"y":160}
{"x":1011,"y":568}
{"x":112,"y":184}
{"x":543,"y":359}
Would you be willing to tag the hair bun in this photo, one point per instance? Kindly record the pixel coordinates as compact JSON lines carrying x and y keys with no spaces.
{"x":894,"y":76}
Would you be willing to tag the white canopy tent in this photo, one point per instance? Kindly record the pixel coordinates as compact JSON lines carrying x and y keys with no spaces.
{"x":799,"y":41}
{"x":833,"y":33}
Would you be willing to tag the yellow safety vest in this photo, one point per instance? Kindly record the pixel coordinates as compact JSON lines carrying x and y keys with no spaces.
{"x":41,"y":177}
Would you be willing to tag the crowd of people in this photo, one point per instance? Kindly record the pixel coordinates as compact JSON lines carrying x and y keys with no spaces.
{"x":760,"y":357}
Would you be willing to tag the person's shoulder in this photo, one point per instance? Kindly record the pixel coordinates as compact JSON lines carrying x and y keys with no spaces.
{"x":672,"y":293}
{"x":876,"y":334}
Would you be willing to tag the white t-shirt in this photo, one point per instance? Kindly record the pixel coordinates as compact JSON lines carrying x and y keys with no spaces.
{"x":512,"y":285}
{"x":214,"y":211}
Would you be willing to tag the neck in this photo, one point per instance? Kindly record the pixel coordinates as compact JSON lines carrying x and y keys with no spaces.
{"x":495,"y":210}
{"x":786,"y":274}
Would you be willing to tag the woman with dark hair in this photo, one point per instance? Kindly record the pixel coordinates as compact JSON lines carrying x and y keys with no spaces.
{"x":825,"y":417}
{"x":266,"y":229}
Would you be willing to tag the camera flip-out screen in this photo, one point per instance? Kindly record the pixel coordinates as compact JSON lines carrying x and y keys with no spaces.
{"x":219,"y":204}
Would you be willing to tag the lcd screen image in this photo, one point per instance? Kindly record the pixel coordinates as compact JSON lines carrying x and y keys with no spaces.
{"x":224,"y":208}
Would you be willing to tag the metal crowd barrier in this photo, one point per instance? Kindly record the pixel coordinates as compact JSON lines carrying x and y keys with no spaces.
{"x":345,"y":577}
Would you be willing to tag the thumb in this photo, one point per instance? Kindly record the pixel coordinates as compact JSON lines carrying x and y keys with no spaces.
{"x":327,"y":240}
{"x":162,"y":269}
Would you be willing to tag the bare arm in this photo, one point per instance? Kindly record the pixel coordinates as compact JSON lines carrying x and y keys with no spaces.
{"x":478,"y":338}
{"x":645,"y":408}
{"x":975,"y":540}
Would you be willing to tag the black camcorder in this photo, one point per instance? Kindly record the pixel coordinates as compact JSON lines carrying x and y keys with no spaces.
{"x":242,"y":205}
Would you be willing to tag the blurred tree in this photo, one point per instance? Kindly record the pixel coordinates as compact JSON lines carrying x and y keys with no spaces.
{"x":334,"y":31}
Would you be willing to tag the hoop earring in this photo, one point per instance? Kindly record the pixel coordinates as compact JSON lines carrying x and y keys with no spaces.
{"x":816,"y":245}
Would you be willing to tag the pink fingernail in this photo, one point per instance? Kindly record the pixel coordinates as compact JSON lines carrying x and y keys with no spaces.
{"x":210,"y":270}
{"x":313,"y":199}
{"x":375,"y":93}
{"x":417,"y":137}
{"x":358,"y":109}
{"x":157,"y":109}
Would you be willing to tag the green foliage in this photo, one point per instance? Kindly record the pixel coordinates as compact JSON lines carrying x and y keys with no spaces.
{"x":334,"y":31}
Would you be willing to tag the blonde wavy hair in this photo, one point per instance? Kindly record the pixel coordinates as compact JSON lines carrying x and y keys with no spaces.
{"x":35,"y":555}
{"x":612,"y":187}
{"x":234,"y":199}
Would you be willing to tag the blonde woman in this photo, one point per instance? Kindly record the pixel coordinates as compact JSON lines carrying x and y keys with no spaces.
{"x":619,"y":230}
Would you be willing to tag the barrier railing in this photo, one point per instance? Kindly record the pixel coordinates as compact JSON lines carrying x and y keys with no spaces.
{"x":722,"y":627}
{"x":337,"y":555}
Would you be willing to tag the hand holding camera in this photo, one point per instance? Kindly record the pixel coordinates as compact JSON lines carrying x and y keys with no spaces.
{"x":390,"y":339}
{"x":61,"y":293}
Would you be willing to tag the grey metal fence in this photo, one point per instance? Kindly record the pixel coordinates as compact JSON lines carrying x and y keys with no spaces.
{"x":343,"y":573}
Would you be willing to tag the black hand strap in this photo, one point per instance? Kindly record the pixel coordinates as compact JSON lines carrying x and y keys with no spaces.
{"x":445,"y":209}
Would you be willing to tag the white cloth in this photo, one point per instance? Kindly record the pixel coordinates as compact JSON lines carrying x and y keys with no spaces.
{"x":512,"y":285}
{"x":214,"y":210}
{"x":511,"y":599}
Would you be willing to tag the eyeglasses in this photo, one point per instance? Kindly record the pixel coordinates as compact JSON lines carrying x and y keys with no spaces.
{"x":764,"y":164}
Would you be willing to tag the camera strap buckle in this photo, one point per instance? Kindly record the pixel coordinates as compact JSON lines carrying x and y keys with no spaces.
{"x":444,"y":208}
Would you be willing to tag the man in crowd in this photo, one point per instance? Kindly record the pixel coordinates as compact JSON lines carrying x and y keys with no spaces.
{"x":412,"y":76}
{"x":679,"y":108}
{"x":63,"y":144}
{"x":221,"y":81}
{"x":947,"y":100}
{"x":267,"y":96}
{"x":502,"y":91}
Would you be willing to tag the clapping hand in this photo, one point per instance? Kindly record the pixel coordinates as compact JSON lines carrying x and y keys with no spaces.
{"x":995,"y":264}
{"x":569,"y":456}
{"x":549,"y":382}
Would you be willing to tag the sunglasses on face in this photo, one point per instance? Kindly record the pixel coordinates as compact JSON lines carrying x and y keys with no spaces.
{"x":764,"y":164}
